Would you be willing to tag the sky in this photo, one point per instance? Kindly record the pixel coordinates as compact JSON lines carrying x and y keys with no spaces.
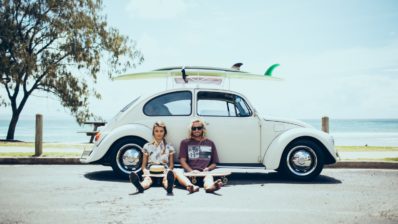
{"x":337,"y":58}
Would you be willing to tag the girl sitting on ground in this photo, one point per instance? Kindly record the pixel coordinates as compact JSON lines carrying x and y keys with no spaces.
{"x":157,"y":152}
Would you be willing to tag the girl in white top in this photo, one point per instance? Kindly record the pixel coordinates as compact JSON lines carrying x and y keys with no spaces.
{"x":156,"y":152}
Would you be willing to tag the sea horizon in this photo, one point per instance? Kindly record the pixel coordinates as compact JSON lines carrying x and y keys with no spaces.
{"x":347,"y":132}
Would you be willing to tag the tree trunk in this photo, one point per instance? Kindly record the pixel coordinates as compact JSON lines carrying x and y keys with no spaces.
{"x":16,"y":111}
{"x":12,"y":126}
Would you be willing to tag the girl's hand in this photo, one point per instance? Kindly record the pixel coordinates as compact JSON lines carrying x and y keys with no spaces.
{"x":206,"y":169}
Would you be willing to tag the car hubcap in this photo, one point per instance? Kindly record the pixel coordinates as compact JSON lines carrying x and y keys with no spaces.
{"x":302,"y":160}
{"x":129,"y":158}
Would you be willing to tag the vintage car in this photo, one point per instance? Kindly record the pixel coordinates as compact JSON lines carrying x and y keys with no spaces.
{"x":243,"y":137}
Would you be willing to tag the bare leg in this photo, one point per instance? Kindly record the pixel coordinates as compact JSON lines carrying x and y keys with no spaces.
{"x":147,"y":182}
{"x":209,"y":185}
{"x":184,"y":181}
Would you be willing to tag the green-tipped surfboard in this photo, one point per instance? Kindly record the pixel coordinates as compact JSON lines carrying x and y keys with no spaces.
{"x":192,"y":71}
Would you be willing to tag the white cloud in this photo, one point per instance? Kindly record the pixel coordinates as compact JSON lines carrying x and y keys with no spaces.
{"x":157,"y":9}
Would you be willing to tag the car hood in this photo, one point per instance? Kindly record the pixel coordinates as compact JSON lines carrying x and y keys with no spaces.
{"x":288,"y":121}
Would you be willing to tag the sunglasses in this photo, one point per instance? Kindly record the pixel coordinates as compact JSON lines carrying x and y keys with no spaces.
{"x":197,"y":128}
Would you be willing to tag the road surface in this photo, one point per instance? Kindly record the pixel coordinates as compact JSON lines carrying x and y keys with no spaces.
{"x":91,"y":194}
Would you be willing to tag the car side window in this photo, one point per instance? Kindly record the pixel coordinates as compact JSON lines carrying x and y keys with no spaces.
{"x":170,"y":104}
{"x":222,"y":105}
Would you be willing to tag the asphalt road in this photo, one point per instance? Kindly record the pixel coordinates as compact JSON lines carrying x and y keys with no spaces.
{"x":91,"y":194}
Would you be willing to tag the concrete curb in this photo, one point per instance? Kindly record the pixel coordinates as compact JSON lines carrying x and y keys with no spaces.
{"x":76,"y":161}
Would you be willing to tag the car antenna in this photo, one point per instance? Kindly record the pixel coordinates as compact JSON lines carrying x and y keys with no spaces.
{"x":184,"y":75}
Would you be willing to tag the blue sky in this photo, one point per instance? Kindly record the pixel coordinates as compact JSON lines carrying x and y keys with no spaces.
{"x":338,"y":58}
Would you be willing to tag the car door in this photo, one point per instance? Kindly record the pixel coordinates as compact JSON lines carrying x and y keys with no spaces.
{"x":231,"y":124}
{"x":175,"y":110}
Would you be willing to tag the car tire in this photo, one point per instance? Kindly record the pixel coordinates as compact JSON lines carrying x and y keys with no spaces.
{"x":302,"y":160}
{"x":126,"y":156}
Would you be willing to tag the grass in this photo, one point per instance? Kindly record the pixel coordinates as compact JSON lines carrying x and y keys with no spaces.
{"x":81,"y":146}
{"x":395,"y":159}
{"x":366,"y":148}
{"x":45,"y":145}
{"x":392,"y":159}
{"x":31,"y":145}
{"x":45,"y":154}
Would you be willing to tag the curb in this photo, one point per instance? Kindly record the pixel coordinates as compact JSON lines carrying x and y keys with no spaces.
{"x":41,"y":160}
{"x":364,"y":165}
{"x":76,"y":161}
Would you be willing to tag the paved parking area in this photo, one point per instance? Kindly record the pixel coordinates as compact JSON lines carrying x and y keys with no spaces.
{"x":91,"y":194}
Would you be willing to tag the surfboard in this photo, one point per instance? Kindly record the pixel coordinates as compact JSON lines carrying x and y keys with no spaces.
{"x":195,"y":71}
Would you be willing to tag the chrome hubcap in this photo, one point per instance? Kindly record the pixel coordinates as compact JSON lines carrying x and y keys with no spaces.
{"x":302,"y":160}
{"x":129,"y":158}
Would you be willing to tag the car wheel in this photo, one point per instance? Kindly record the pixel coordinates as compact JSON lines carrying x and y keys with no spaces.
{"x":302,"y":160}
{"x":126,"y":156}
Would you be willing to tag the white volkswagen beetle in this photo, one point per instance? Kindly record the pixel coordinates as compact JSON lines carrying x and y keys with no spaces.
{"x":242,"y":136}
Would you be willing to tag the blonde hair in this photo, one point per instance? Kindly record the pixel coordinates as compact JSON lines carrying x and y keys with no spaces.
{"x":197,"y":120}
{"x":161,"y":125}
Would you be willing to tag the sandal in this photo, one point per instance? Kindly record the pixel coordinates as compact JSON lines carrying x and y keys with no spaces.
{"x":170,"y":181}
{"x":134,"y":179}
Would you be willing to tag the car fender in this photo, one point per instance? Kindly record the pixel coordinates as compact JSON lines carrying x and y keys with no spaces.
{"x":273,"y":155}
{"x":134,"y":130}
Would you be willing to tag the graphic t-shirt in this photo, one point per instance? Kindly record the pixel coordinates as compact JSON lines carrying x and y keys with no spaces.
{"x":198,"y":154}
{"x":158,"y":153}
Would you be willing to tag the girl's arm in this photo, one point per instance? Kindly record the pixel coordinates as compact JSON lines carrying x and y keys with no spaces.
{"x":144,"y":162}
{"x":171,"y":161}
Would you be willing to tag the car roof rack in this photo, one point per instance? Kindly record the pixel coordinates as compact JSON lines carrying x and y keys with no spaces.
{"x":199,"y":68}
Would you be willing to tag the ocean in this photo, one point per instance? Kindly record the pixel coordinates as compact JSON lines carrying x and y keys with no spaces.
{"x":360,"y":132}
{"x":347,"y":132}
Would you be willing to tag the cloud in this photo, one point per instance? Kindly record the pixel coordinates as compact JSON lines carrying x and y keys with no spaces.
{"x":157,"y":9}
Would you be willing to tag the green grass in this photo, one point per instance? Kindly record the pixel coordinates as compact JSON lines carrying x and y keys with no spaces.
{"x":392,"y":159}
{"x":82,"y":145}
{"x":60,"y":146}
{"x":45,"y":145}
{"x":366,"y":148}
{"x":46,"y":154}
